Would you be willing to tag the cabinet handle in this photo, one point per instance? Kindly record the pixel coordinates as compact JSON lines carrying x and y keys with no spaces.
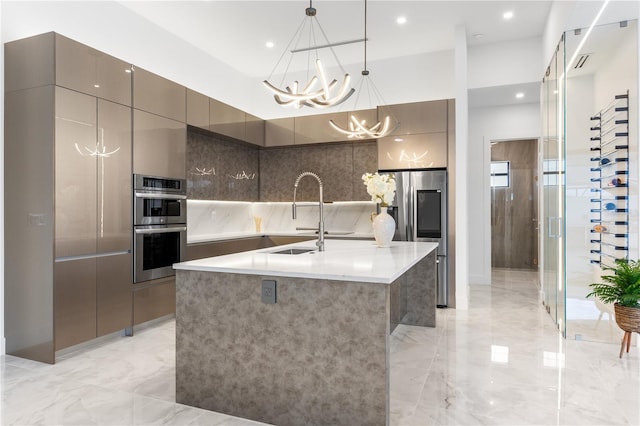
{"x":161,"y":230}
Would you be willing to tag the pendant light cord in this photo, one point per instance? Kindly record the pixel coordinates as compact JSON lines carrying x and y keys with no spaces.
{"x":365,"y":71}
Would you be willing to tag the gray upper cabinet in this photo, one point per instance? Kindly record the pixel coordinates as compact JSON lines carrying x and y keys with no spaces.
{"x":197,"y":109}
{"x":158,"y":95}
{"x":226,"y":120}
{"x":159,"y":145}
{"x":313,"y":128}
{"x":279,"y":132}
{"x":54,"y":59}
{"x":90,"y":71}
{"x":218,"y":117}
{"x":316,"y":128}
{"x":29,"y":62}
{"x":427,"y":150}
{"x":418,"y":117}
{"x":254,"y":130}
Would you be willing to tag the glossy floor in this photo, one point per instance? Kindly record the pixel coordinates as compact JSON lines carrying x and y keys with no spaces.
{"x":501,"y":362}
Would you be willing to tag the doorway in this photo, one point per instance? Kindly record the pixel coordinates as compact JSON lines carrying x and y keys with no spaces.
{"x":514,"y":204}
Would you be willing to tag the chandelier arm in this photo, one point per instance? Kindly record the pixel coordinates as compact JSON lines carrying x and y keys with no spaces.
{"x":349,"y":133}
{"x":323,"y":78}
{"x":310,"y":85}
{"x":317,"y":99}
{"x":291,"y":94}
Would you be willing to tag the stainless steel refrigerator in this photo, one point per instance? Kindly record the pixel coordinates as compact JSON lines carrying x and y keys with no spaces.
{"x":420,"y":211}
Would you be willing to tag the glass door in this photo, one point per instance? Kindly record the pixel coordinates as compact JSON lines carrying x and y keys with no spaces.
{"x":553,"y":189}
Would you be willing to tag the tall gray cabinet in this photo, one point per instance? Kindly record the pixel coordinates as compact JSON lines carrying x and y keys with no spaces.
{"x":68,"y":129}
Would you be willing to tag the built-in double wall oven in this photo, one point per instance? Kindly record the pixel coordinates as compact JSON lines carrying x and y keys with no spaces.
{"x":160,"y":226}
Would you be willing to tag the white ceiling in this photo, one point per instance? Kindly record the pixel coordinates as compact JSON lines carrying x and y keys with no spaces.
{"x":430,"y":27}
{"x":248,"y":25}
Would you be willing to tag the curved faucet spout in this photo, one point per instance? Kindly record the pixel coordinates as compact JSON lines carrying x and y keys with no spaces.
{"x":320,"y":242}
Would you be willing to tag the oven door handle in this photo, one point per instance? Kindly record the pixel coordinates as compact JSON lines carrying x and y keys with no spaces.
{"x":161,"y":230}
{"x":161,"y":196}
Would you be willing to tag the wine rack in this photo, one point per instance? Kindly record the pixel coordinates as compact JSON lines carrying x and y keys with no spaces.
{"x":610,"y":186}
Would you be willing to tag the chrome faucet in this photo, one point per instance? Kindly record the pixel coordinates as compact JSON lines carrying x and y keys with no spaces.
{"x":320,"y":242}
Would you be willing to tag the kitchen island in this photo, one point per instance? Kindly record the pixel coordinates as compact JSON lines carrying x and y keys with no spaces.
{"x":320,"y":353}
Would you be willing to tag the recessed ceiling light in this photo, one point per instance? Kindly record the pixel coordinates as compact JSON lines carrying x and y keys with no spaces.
{"x":519,"y":95}
{"x":478,"y":36}
{"x":398,"y":140}
{"x":128,"y":70}
{"x":401,"y":20}
{"x":507,"y":15}
{"x":269,"y":44}
{"x":97,"y":86}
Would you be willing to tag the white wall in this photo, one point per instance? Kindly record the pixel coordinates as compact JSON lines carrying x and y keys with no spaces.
{"x":2,"y":343}
{"x":486,"y":125}
{"x":502,"y":64}
{"x":461,"y":178}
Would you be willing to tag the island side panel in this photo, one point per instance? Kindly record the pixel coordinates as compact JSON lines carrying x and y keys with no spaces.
{"x":421,"y":287}
{"x":318,"y":356}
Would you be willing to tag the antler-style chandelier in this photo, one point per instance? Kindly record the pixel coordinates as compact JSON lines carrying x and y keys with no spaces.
{"x":328,"y":93}
{"x":356,"y":128}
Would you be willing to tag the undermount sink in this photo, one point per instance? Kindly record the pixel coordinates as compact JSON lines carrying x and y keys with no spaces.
{"x":300,"y":250}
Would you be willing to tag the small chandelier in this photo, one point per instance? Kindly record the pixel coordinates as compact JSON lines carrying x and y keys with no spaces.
{"x":357,"y":128}
{"x":329,"y":93}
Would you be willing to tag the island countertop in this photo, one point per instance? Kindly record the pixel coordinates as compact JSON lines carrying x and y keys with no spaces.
{"x":342,"y":260}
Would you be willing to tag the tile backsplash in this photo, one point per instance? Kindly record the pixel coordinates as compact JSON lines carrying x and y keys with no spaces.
{"x":215,"y":218}
{"x":219,"y":168}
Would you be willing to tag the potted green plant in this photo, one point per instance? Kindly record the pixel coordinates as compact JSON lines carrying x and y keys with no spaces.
{"x":622,"y":289}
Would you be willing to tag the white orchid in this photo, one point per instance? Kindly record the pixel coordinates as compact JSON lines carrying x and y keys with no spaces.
{"x":382,"y":188}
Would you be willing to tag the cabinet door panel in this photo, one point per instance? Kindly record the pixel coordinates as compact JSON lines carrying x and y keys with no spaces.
{"x":197,"y":109}
{"x":419,"y":117}
{"x":159,"y":145}
{"x":114,"y":297}
{"x":279,"y":132}
{"x":154,"y":301}
{"x":75,"y":173}
{"x":114,"y":177}
{"x":413,"y":151}
{"x":316,"y":128}
{"x":254,"y":129}
{"x":90,"y":71}
{"x":226,"y":120}
{"x":158,"y":95}
{"x":74,"y":302}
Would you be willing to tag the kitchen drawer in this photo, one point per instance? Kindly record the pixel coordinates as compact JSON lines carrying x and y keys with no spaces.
{"x":154,"y":300}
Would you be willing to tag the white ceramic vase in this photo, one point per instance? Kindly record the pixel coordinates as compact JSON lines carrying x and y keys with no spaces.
{"x":383,"y":228}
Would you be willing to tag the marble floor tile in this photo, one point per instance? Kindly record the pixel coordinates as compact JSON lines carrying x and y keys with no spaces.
{"x":502,"y":362}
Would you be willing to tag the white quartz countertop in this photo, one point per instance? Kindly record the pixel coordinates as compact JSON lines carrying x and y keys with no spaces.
{"x":342,"y":260}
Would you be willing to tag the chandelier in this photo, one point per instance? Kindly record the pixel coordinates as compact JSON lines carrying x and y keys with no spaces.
{"x":326,"y":93}
{"x":358,"y":128}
